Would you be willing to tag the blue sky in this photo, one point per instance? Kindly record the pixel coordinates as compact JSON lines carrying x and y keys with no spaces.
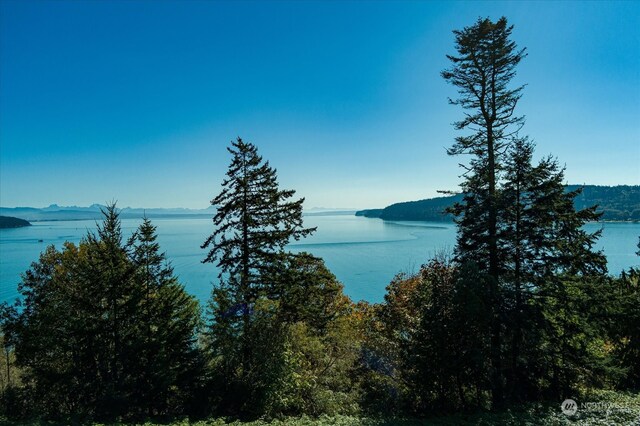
{"x":136,"y":101}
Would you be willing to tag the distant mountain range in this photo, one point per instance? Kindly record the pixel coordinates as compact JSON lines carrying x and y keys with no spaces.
{"x":56,"y":212}
{"x":617,"y":203}
{"x":93,"y":212}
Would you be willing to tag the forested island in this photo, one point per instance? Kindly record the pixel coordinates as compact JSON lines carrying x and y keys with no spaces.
{"x":522,"y":320}
{"x":616,"y":203}
{"x":12,"y":222}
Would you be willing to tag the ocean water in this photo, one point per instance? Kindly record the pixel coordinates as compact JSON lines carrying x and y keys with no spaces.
{"x":365,"y":254}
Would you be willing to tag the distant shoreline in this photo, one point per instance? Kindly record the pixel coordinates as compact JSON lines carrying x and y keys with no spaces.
{"x":80,"y":219}
{"x":619,"y":203}
{"x":450,"y":222}
{"x":338,"y":213}
{"x":173,"y":216}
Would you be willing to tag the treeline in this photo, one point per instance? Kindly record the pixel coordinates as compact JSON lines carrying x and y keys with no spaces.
{"x":102,"y":329}
{"x":12,"y":222}
{"x":523,"y":311}
{"x":431,"y":209}
{"x":616,"y":203}
{"x":620,"y":202}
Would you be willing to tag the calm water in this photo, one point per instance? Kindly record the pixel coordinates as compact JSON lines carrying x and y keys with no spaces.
{"x":363,"y":253}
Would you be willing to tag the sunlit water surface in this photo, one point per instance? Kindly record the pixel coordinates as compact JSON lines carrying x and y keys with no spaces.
{"x":364,"y":254}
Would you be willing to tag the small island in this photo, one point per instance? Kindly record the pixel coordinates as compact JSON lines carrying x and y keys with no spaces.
{"x":12,"y":222}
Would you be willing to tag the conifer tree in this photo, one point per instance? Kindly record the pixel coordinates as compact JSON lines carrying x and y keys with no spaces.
{"x":109,"y":278}
{"x":104,"y":330}
{"x":516,"y":222}
{"x":167,"y":357}
{"x":482,"y":71}
{"x":520,"y":232}
{"x":254,"y":222}
{"x":538,"y":226}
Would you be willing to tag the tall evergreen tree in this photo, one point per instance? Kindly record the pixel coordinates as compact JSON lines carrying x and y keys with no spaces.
{"x":254,"y":222}
{"x":108,"y":278}
{"x":516,"y":222}
{"x":517,"y":227}
{"x":167,"y":359}
{"x":539,"y":226}
{"x":482,"y":71}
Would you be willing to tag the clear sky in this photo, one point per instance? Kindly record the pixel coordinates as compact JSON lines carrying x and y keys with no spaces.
{"x":136,"y":101}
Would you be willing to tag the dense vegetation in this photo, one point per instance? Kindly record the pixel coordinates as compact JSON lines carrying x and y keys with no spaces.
{"x":616,"y":203}
{"x":522,"y":315}
{"x":609,"y":408}
{"x":431,"y":209}
{"x":12,"y":222}
{"x":103,"y":329}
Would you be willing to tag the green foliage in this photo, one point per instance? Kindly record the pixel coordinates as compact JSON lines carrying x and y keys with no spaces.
{"x":278,"y":337}
{"x":518,"y":224}
{"x":103,"y":329}
{"x":303,"y":355}
{"x":482,"y":71}
{"x":606,"y":408}
{"x":253,"y":222}
{"x":388,"y":335}
{"x":167,"y":361}
{"x":307,"y":291}
{"x":572,"y":351}
{"x":428,"y":343}
{"x":616,"y":203}
{"x":544,"y":249}
{"x":319,"y":368}
{"x":624,"y":301}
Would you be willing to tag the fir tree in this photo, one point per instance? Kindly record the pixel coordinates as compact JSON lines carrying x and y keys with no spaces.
{"x":254,"y":222}
{"x":167,"y":358}
{"x":538,"y":226}
{"x":104,"y":330}
{"x":516,"y":222}
{"x":482,"y":71}
{"x":109,"y":279}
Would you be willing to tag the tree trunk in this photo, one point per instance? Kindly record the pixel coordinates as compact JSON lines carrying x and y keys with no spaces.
{"x":496,"y":361}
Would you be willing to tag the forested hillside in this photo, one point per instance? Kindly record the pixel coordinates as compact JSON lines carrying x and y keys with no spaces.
{"x":620,"y":202}
{"x":12,"y":222}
